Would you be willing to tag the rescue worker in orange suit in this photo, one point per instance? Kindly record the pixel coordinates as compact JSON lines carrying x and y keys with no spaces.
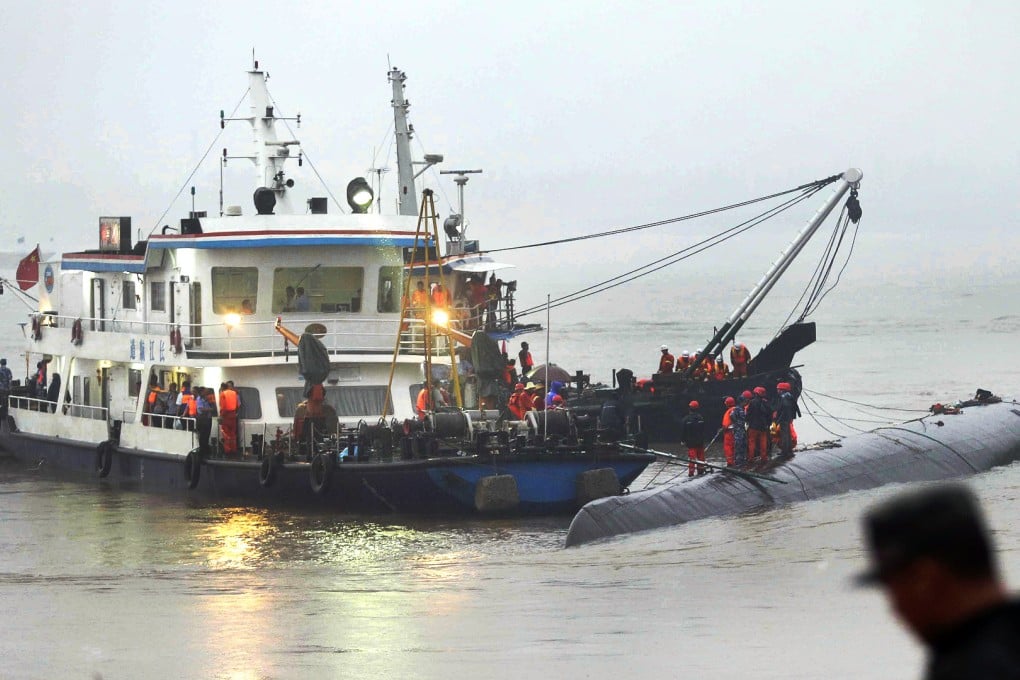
{"x":666,"y":361}
{"x":419,"y":298}
{"x":440,"y":297}
{"x":693,"y":434}
{"x":423,"y":404}
{"x":707,"y":368}
{"x":150,"y":401}
{"x":721,"y":370}
{"x":728,"y":443}
{"x":537,"y":398}
{"x":524,"y":361}
{"x":519,"y":403}
{"x":189,"y":409}
{"x":759,"y":415}
{"x":699,"y":366}
{"x":740,"y":357}
{"x":228,"y":419}
{"x":683,"y":361}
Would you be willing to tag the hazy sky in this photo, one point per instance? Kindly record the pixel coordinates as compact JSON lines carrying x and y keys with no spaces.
{"x":584,"y":116}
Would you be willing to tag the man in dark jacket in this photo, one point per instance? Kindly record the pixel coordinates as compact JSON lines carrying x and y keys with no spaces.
{"x":786,"y":411}
{"x":933,"y":556}
{"x":692,"y":431}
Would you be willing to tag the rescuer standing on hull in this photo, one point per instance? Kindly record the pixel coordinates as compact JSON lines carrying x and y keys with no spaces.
{"x":693,"y":433}
{"x":666,"y":361}
{"x":786,"y":411}
{"x":759,"y":415}
{"x":728,"y":443}
{"x":932,"y":555}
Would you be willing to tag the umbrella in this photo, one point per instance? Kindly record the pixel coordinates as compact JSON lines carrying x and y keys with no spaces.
{"x":555,"y":373}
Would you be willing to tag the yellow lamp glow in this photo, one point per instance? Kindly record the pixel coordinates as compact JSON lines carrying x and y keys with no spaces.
{"x":232,"y":320}
{"x":440,"y":318}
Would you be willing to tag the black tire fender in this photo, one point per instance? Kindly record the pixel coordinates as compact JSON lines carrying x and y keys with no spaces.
{"x":320,"y":472}
{"x":104,"y":458}
{"x":267,"y":471}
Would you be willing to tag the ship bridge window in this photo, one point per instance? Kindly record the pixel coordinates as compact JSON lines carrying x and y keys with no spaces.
{"x":317,"y":289}
{"x":347,"y":401}
{"x":128,"y":288}
{"x":391,"y":287}
{"x":231,"y":286}
{"x":157,"y":296}
{"x":250,"y":407}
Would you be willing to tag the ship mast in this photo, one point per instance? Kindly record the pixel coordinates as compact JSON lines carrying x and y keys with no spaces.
{"x":270,"y":153}
{"x":406,"y":193}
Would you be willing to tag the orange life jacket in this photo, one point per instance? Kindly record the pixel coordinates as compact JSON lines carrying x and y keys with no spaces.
{"x":188,"y":402}
{"x":440,"y":298}
{"x":666,"y":363}
{"x":419,"y":298}
{"x":727,"y":419}
{"x":423,"y":403}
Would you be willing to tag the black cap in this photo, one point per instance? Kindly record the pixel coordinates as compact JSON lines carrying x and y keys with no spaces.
{"x":942,"y":522}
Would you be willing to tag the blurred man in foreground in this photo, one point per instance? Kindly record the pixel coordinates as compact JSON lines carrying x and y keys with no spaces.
{"x":931,"y":553}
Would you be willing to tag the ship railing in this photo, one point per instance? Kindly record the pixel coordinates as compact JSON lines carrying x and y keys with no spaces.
{"x":168,"y":421}
{"x":71,"y":409}
{"x":150,"y":340}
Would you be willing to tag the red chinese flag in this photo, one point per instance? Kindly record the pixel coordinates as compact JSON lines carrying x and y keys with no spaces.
{"x":28,"y":270}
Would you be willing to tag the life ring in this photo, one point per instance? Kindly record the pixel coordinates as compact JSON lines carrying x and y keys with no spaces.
{"x":36,"y":328}
{"x":104,"y":458}
{"x":320,"y":472}
{"x":267,"y":470}
{"x":192,"y":468}
{"x":76,"y":332}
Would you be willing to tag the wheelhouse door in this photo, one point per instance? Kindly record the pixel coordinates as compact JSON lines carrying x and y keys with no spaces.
{"x":195,"y":314}
{"x":98,"y":304}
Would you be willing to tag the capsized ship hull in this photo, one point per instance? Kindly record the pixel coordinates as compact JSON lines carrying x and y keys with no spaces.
{"x":930,"y":449}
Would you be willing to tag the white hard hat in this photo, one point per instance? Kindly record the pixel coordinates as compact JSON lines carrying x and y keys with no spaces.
{"x":664,"y":348}
{"x":686,"y":354}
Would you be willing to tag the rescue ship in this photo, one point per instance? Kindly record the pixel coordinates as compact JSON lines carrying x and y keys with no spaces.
{"x":213,"y":300}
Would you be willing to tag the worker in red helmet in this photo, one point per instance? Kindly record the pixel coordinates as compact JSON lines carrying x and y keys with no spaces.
{"x":785,"y":411}
{"x":692,"y":430}
{"x":759,"y":417}
{"x":728,"y":442}
{"x":740,"y":357}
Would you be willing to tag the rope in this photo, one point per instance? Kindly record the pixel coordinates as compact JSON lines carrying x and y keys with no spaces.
{"x":921,"y":434}
{"x":857,"y":403}
{"x":198,"y":165}
{"x":813,"y":186}
{"x":671,"y":259}
{"x":305,"y":154}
